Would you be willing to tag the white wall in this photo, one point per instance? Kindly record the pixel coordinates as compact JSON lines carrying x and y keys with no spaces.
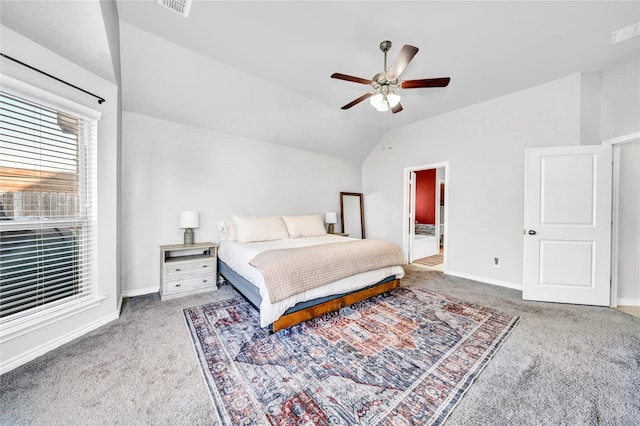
{"x":164,"y":80}
{"x":109,"y":12}
{"x":590,"y":114}
{"x":629,"y":225}
{"x":27,"y":346}
{"x":168,"y":167}
{"x":484,"y":145}
{"x":201,"y":135}
{"x":620,"y":116}
{"x":620,"y":104}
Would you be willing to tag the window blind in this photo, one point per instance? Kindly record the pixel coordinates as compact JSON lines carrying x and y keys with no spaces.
{"x":48,"y":207}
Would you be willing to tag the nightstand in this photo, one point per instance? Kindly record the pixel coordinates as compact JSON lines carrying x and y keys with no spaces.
{"x":187,"y":269}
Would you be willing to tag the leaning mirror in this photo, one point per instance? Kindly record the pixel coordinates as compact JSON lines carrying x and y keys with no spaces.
{"x":352,"y":214}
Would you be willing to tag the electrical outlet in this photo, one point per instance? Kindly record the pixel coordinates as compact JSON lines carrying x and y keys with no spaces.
{"x":496,"y":262}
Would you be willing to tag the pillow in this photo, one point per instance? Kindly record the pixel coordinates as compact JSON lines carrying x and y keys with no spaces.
{"x":250,"y":229}
{"x":227,"y":230}
{"x":305,"y":226}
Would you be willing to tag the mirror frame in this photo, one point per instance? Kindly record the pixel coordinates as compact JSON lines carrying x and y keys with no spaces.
{"x":352,"y":194}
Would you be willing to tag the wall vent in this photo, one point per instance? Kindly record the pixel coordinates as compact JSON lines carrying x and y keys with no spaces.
{"x":181,"y":7}
{"x":625,"y":33}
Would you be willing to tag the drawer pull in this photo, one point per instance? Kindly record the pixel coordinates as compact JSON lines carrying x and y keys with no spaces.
{"x":204,"y":281}
{"x":178,"y":285}
{"x":178,"y":269}
{"x":205,"y":266}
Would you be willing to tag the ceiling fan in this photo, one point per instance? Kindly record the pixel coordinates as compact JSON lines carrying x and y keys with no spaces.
{"x":383,"y":96}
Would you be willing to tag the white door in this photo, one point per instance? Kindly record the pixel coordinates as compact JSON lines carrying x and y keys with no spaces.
{"x":411,"y":226}
{"x":567,"y":220}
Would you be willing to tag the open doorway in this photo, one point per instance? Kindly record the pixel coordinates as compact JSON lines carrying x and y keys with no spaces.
{"x":425,"y":215}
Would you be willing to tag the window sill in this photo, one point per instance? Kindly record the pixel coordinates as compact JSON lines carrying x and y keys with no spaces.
{"x":22,"y":326}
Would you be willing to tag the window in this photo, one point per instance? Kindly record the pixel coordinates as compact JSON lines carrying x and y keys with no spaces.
{"x":48,"y":203}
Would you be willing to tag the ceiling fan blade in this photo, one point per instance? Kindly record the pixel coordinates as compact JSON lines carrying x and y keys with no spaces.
{"x":426,"y":82}
{"x":396,"y":108}
{"x":402,"y":60}
{"x":357,"y":101}
{"x":350,"y":78}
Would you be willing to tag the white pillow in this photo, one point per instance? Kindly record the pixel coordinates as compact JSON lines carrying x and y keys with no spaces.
{"x":227,"y":230}
{"x":250,"y":229}
{"x":305,"y":226}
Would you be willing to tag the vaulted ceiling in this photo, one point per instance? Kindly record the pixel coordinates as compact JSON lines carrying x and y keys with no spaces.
{"x":489,"y":49}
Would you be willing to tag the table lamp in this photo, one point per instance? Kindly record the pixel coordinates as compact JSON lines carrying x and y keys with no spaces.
{"x":331,"y":218}
{"x":188,"y":220}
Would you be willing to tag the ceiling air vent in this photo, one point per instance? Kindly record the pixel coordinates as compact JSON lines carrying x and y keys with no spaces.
{"x":179,"y":6}
{"x":625,"y":33}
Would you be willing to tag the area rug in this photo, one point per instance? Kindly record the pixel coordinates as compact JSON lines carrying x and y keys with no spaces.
{"x":404,"y":357}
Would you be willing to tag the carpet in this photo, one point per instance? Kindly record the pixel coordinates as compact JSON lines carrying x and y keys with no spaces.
{"x":404,"y":357}
{"x":434,"y":260}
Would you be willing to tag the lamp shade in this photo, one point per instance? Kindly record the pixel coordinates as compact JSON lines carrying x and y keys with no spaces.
{"x":393,"y":99}
{"x":188,"y":220}
{"x":376,"y":100}
{"x":331,"y":217}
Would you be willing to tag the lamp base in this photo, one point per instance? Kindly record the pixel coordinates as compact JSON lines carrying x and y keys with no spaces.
{"x":330,"y":228}
{"x":188,"y":236}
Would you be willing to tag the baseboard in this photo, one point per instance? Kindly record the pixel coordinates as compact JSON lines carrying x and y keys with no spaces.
{"x":140,"y":291}
{"x":51,"y":345}
{"x":484,"y":280}
{"x":628,"y":302}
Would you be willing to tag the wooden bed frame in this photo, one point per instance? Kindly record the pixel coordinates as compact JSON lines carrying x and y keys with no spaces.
{"x":340,"y":301}
{"x":305,"y":311}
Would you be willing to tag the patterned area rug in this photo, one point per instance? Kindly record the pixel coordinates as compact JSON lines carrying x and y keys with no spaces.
{"x":400,"y":358}
{"x":434,"y":260}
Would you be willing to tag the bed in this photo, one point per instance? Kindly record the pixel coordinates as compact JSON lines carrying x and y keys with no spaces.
{"x":292,"y":270}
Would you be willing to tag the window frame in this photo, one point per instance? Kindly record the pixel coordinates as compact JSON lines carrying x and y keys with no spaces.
{"x":23,"y":324}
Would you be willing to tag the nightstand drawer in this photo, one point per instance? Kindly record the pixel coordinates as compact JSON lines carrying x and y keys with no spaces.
{"x":188,"y":269}
{"x":181,"y":269}
{"x":178,"y":286}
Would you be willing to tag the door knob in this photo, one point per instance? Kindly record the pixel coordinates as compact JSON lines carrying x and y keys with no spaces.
{"x":531,"y":232}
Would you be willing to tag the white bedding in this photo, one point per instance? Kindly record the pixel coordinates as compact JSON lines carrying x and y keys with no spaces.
{"x":237,"y":256}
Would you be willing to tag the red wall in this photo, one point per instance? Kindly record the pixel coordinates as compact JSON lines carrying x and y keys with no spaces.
{"x":426,"y":196}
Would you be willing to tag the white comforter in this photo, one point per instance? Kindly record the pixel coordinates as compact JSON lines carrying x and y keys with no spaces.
{"x":237,"y":256}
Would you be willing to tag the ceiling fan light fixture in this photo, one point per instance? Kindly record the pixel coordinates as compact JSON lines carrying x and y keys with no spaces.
{"x":383,"y":102}
{"x":384,"y":106}
{"x":376,"y":100}
{"x":393,"y":99}
{"x":382,"y":97}
{"x":379,"y":102}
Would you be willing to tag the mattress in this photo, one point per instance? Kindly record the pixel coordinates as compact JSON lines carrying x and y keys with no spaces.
{"x":237,"y":256}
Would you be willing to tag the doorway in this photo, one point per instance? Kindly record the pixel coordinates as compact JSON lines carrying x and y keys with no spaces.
{"x":619,"y":282}
{"x":425,"y":212}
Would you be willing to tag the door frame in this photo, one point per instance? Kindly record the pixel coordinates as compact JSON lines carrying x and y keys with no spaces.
{"x":406,"y":201}
{"x":439,"y":218}
{"x":615,"y":207}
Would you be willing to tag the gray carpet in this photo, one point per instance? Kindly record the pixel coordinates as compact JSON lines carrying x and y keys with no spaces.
{"x":562,"y":364}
